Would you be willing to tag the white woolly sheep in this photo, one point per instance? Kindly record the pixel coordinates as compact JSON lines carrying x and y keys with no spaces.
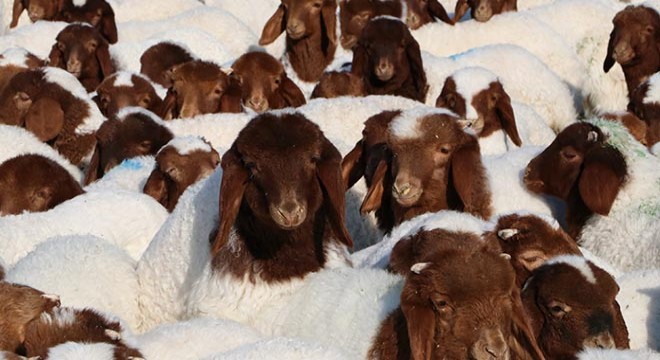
{"x":639,"y":298}
{"x":601,"y":354}
{"x":282,"y":348}
{"x":38,"y":38}
{"x":90,"y":351}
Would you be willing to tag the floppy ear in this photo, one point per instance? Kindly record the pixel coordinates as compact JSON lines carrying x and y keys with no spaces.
{"x":329,"y":175}
{"x":523,"y":342}
{"x":45,"y":119}
{"x":156,"y":187}
{"x":329,"y":26}
{"x":469,"y":179}
{"x":56,"y":57}
{"x":274,"y":26}
{"x":103,"y":57}
{"x":437,"y":10}
{"x":420,"y":322}
{"x":373,"y":200}
{"x":169,"y":110}
{"x":94,"y":170}
{"x":352,"y":166}
{"x":507,"y":118}
{"x":291,"y":93}
{"x":230,"y":102}
{"x":360,"y":63}
{"x":234,"y":181}
{"x":603,"y":174}
{"x":461,"y":8}
{"x":533,"y":313}
{"x":619,"y":329}
{"x":609,"y":58}
{"x":416,"y":66}
{"x":18,"y":10}
{"x":108,"y":26}
{"x":402,"y":257}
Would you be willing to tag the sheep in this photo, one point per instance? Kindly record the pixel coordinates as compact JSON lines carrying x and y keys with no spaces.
{"x":37,"y":38}
{"x":132,"y":132}
{"x":157,"y":61}
{"x":334,"y":84}
{"x":2,"y":269}
{"x":81,"y":50}
{"x":131,"y":174}
{"x":571,"y":305}
{"x":638,"y":300}
{"x":282,"y":348}
{"x":477,"y":95}
{"x":19,"y":306}
{"x":264,"y":83}
{"x":15,"y":60}
{"x":609,"y":183}
{"x":422,"y":12}
{"x":98,"y":13}
{"x":34,"y":183}
{"x":53,"y":105}
{"x":634,"y":44}
{"x":200,"y":87}
{"x":484,"y":10}
{"x":180,"y":163}
{"x":36,"y":9}
{"x":123,"y":89}
{"x":311,"y":38}
{"x":355,"y":14}
{"x":644,"y":102}
{"x":388,"y":60}
{"x":97,"y":351}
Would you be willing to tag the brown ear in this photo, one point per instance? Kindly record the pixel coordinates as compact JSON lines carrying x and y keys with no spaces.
{"x":156,"y":187}
{"x":103,"y":57}
{"x":234,"y":181}
{"x":402,"y":258}
{"x":329,"y":175}
{"x":603,"y":174}
{"x":373,"y":200}
{"x":94,"y":170}
{"x":507,"y":118}
{"x":55,"y":58}
{"x":468,"y":177}
{"x":230,"y":102}
{"x":169,"y":110}
{"x":291,"y":93}
{"x":420,"y":322}
{"x":360,"y":63}
{"x":40,"y":199}
{"x":329,"y":26}
{"x":18,"y":10}
{"x":461,"y":8}
{"x":609,"y":58}
{"x":352,"y":166}
{"x":523,"y":342}
{"x":416,"y":66}
{"x":108,"y":26}
{"x":619,"y":329}
{"x":274,"y":26}
{"x":533,"y":312}
{"x":437,"y":10}
{"x":45,"y":119}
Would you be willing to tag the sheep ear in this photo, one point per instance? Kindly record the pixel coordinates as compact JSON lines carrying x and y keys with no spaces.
{"x":40,"y":198}
{"x":108,"y":26}
{"x":416,"y":67}
{"x":531,"y":308}
{"x":373,"y":200}
{"x":274,"y":26}
{"x":45,"y":119}
{"x":18,"y":10}
{"x":437,"y":10}
{"x":609,"y":58}
{"x":291,"y":93}
{"x":402,"y":257}
{"x":420,"y":322}
{"x":230,"y":102}
{"x":460,"y":10}
{"x":352,"y":166}
{"x":234,"y":181}
{"x":94,"y":168}
{"x":469,"y":180}
{"x":360,"y":61}
{"x":602,"y":176}
{"x":156,"y":187}
{"x":329,"y":26}
{"x":523,"y":342}
{"x":507,"y":118}
{"x":329,"y":175}
{"x":169,"y":110}
{"x":103,"y":57}
{"x":619,"y":329}
{"x":55,"y":58}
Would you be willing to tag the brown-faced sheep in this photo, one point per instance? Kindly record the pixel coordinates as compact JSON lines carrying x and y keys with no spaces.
{"x":388,"y":60}
{"x":335,"y":84}
{"x":19,"y":305}
{"x":132,"y":132}
{"x":264,"y":83}
{"x":571,"y":304}
{"x":37,"y":10}
{"x":422,"y":12}
{"x":311,"y":40}
{"x":124,"y":89}
{"x":483,"y":10}
{"x":635,"y":44}
{"x":15,"y":60}
{"x":200,"y":87}
{"x":81,"y":50}
{"x":458,"y":305}
{"x":34,"y":183}
{"x":354,"y":15}
{"x":158,"y":60}
{"x":645,"y":103}
{"x":179,"y":164}
{"x":98,"y":13}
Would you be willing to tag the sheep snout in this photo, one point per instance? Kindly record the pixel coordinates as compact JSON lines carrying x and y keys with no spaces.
{"x":257,"y":102}
{"x":603,"y":340}
{"x":36,"y":12}
{"x":623,"y":52}
{"x":289,"y":214}
{"x":407,"y":190}
{"x":384,"y":70}
{"x":295,"y":29}
{"x":491,"y":345}
{"x":483,"y":12}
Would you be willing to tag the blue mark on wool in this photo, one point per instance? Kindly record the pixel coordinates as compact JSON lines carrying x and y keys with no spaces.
{"x":131,"y":164}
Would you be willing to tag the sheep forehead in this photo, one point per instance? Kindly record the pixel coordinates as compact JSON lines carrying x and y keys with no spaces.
{"x":279,"y":134}
{"x":126,"y":112}
{"x":185,"y":145}
{"x":65,"y":80}
{"x":14,"y":56}
{"x":408,"y":124}
{"x":258,"y":60}
{"x":635,"y":15}
{"x":578,"y":262}
{"x":123,"y":78}
{"x":470,"y":81}
{"x":653,"y":91}
{"x":79,"y":351}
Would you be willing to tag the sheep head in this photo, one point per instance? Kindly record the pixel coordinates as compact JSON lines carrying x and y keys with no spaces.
{"x":422,"y":12}
{"x":283,"y":171}
{"x":335,"y":84}
{"x":636,"y":35}
{"x":355,"y":14}
{"x":124,"y":89}
{"x":37,"y":10}
{"x":157,"y":61}
{"x":301,"y":19}
{"x":572,"y":305}
{"x":10,"y":65}
{"x":483,"y":10}
{"x":98,"y":13}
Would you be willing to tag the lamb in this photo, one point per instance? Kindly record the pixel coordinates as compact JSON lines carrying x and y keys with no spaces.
{"x":179,"y":164}
{"x":53,"y":105}
{"x":311,"y":38}
{"x":81,"y":50}
{"x":334,"y":84}
{"x":645,"y":103}
{"x":123,"y":89}
{"x":15,"y":60}
{"x":98,"y":13}
{"x":609,"y":183}
{"x":264,"y":83}
{"x":132,"y":132}
{"x":388,"y":60}
{"x":34,"y":183}
{"x":158,"y":60}
{"x":422,"y":12}
{"x":571,"y":305}
{"x":477,"y":95}
{"x":355,"y":14}
{"x":19,"y":306}
{"x":36,"y":9}
{"x":483,"y":10}
{"x":634,"y":43}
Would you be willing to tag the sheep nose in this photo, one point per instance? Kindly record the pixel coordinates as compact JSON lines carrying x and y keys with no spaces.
{"x":603,"y":340}
{"x":384,"y":70}
{"x":35,"y":13}
{"x":74,"y":66}
{"x":295,"y":29}
{"x":406,"y":192}
{"x":257,"y":103}
{"x":289,"y":215}
{"x":623,"y":52}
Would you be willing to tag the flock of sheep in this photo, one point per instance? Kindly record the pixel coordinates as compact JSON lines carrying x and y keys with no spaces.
{"x":329,"y":179}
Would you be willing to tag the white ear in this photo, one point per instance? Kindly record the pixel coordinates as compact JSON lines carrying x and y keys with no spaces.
{"x":417,"y":268}
{"x":506,"y":233}
{"x":505,"y":256}
{"x":592,"y":136}
{"x":113,"y":335}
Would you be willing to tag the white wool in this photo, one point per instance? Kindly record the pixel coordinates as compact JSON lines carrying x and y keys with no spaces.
{"x":653,"y":93}
{"x":639,"y":299}
{"x":253,"y":13}
{"x":127,"y":11}
{"x":85,"y":271}
{"x":577,"y":262}
{"x":655,"y":150}
{"x":617,"y":354}
{"x":387,"y":17}
{"x":82,"y":351}
{"x":131,"y":174}
{"x":16,"y":141}
{"x":282,"y":348}
{"x":603,"y":264}
{"x":123,"y":78}
{"x":129,"y":110}
{"x":79,"y":3}
{"x":14,"y":56}
{"x":378,"y":255}
{"x":37,"y":38}
{"x":195,"y":339}
{"x":126,"y":219}
{"x":69,"y":83}
{"x":59,"y":317}
{"x":184,"y":145}
{"x":407,"y":124}
{"x":469,"y":82}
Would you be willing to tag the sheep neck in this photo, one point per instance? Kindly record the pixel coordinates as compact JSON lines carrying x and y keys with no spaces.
{"x":646,"y":66}
{"x":307,"y":56}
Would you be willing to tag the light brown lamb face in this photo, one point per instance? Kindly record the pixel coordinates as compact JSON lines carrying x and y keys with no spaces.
{"x":197,"y":88}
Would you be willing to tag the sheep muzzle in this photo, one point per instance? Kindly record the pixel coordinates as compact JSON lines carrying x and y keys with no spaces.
{"x":490,"y":346}
{"x":288,"y":215}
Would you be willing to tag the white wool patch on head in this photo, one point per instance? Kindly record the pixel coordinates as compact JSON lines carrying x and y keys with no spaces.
{"x":14,"y":56}
{"x":82,"y":351}
{"x":79,"y":3}
{"x":123,"y":78}
{"x":653,"y":92}
{"x":469,"y":82}
{"x":60,"y":317}
{"x":578,"y":262}
{"x":406,"y":125}
{"x":125,"y":112}
{"x":554,"y":224}
{"x":184,"y":145}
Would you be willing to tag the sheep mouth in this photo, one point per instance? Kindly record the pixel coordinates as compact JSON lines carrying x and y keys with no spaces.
{"x":483,"y":16}
{"x":298,"y":35}
{"x":288,"y":220}
{"x":409,"y":199}
{"x":35,"y":17}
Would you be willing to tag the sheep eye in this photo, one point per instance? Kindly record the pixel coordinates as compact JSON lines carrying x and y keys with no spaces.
{"x":648,"y":30}
{"x":317,"y":5}
{"x":444,"y":150}
{"x":92,"y":46}
{"x":277,"y":81}
{"x":558,"y":309}
{"x":217,"y":91}
{"x":145,"y":101}
{"x":569,"y":154}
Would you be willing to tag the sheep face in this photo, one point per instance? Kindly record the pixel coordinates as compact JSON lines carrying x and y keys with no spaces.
{"x":34,"y":183}
{"x":578,"y":166}
{"x":572,"y":306}
{"x":386,"y":57}
{"x":635,"y":35}
{"x":354,"y":15}
{"x":111,"y":97}
{"x":300,"y":19}
{"x":7,"y":72}
{"x":157,"y":62}
{"x":422,"y":12}
{"x":98,"y":13}
{"x":264,"y":83}
{"x":37,"y":10}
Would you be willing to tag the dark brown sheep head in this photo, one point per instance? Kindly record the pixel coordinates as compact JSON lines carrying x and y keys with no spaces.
{"x":158,"y":60}
{"x":200,"y":87}
{"x":355,"y":14}
{"x":179,"y":164}
{"x":636,"y":35}
{"x":301,"y":19}
{"x":572,"y":305}
{"x":647,"y":108}
{"x":132,"y":132}
{"x":34,"y":183}
{"x":283,"y":173}
{"x":37,"y":10}
{"x":531,"y":240}
{"x":19,"y":305}
{"x":124,"y":89}
{"x":81,"y":50}
{"x":15,"y":60}
{"x":98,"y":13}
{"x":264,"y":83}
{"x":422,"y":12}
{"x":335,"y":84}
{"x":483,"y":10}
{"x":476,"y":94}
